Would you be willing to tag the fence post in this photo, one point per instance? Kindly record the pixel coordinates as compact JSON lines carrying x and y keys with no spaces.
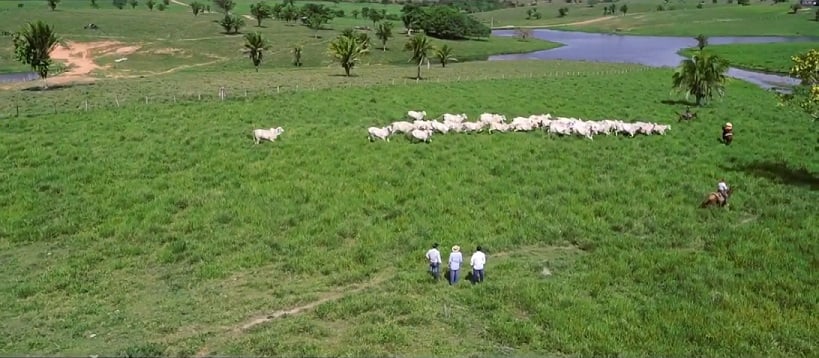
{"x":200,"y":96}
{"x":17,"y":108}
{"x":277,"y":89}
{"x":86,"y":105}
{"x":146,"y":99}
{"x":245,"y":94}
{"x":174,"y":99}
{"x":116,"y":100}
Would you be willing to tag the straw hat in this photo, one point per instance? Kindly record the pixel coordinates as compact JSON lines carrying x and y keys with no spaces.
{"x":729,"y":125}
{"x":456,"y":248}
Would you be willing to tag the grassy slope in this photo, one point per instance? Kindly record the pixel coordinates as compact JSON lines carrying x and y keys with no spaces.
{"x":643,"y":19}
{"x":774,"y":57}
{"x":191,"y":85}
{"x":198,"y":40}
{"x":164,"y":228}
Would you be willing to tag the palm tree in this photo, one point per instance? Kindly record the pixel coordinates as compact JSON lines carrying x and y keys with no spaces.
{"x":33,"y":46}
{"x":420,"y":47}
{"x":702,"y":41}
{"x":384,"y":31}
{"x":701,"y":76}
{"x":444,"y":55}
{"x":254,"y":47}
{"x":347,"y":51}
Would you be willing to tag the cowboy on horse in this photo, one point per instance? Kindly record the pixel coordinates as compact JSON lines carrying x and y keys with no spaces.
{"x":719,"y":197}
{"x":727,"y":133}
{"x":722,"y":189}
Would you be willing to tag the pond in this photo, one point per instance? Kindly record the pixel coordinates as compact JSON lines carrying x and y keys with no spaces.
{"x":18,"y":77}
{"x":655,"y":51}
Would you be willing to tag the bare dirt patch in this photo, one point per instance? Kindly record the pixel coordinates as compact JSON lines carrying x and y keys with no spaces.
{"x":79,"y":57}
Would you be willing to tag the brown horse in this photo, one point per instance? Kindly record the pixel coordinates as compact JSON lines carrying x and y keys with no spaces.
{"x":716,"y":198}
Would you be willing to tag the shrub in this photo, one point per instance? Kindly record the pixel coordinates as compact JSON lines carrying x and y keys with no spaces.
{"x":562,"y":11}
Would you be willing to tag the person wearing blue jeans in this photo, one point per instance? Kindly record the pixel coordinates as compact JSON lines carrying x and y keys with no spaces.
{"x":455,"y":259}
{"x":434,"y":258}
{"x":477,"y":262}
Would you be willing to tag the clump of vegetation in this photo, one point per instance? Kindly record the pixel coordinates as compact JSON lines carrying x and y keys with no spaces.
{"x":261,"y":11}
{"x":33,"y":46}
{"x":197,"y":8}
{"x":445,"y":54}
{"x":806,"y":94}
{"x":443,"y":22}
{"x":232,"y":23}
{"x":701,"y":76}
{"x":562,"y":12}
{"x":347,"y":50}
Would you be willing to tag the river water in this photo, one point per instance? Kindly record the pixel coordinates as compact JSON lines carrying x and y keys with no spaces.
{"x":655,"y":51}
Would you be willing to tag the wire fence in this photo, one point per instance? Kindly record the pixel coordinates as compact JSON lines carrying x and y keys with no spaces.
{"x":101,"y":99}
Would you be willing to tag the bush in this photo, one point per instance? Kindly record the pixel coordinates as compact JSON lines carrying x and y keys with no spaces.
{"x":443,"y":22}
{"x":744,"y":2}
{"x":795,"y":8}
{"x":699,"y":6}
{"x":562,"y":11}
{"x":660,"y":8}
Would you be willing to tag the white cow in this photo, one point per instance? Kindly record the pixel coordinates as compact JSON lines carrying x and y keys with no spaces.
{"x":422,"y":135}
{"x":379,"y":133}
{"x":439,"y":127}
{"x":402,"y":127}
{"x":415,"y":115}
{"x":267,"y":134}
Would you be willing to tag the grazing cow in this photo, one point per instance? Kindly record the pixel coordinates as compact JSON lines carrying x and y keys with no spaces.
{"x":267,"y":134}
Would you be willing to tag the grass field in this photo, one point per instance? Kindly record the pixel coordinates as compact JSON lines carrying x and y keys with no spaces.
{"x":643,"y":18}
{"x":163,"y":229}
{"x":774,"y":57}
{"x":171,"y":40}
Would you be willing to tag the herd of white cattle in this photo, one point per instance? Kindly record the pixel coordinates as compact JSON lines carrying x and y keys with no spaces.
{"x":418,"y":128}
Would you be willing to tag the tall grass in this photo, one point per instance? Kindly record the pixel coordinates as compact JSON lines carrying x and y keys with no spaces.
{"x":160,"y":229}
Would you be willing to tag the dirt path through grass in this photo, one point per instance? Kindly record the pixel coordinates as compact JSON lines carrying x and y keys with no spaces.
{"x":257,"y":320}
{"x":380,"y":278}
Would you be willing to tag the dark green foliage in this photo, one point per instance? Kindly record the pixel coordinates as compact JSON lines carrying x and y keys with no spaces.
{"x":443,"y":22}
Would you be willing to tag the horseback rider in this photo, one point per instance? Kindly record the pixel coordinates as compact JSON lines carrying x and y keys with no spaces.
{"x":722,"y":189}
{"x":727,"y":133}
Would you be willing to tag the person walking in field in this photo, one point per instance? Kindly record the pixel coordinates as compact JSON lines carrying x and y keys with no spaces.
{"x":455,"y":260}
{"x":477,"y":262}
{"x":434,"y":258}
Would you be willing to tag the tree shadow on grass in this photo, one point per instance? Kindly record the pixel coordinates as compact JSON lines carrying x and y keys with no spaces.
{"x":680,"y":102}
{"x":779,"y":172}
{"x":55,"y":87}
{"x":352,"y":75}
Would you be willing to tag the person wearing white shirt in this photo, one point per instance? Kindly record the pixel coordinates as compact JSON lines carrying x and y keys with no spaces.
{"x":455,"y":259}
{"x":477,"y":262}
{"x":434,"y":258}
{"x":722,"y":188}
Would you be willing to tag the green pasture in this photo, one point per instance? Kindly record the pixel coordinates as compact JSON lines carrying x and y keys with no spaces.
{"x":162,"y":229}
{"x":642,"y":18}
{"x":199,"y":40}
{"x":772,"y":57}
{"x":194,"y":84}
